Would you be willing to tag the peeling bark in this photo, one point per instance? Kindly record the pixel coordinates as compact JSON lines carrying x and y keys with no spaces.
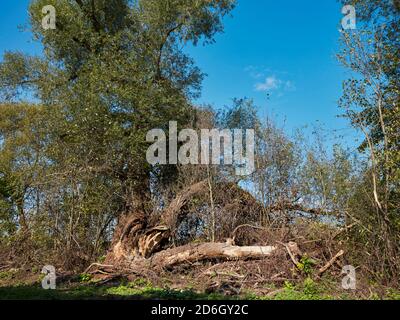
{"x":209,"y":251}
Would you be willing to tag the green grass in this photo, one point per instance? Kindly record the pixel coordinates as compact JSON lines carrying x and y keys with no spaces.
{"x":92,"y":291}
{"x":150,"y":292}
{"x":141,"y":289}
{"x":393,"y":294}
{"x":7,"y":275}
{"x":308,"y":290}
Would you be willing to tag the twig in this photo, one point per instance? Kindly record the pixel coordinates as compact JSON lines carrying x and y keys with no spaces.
{"x":277,"y":275}
{"x":312,"y":241}
{"x":234,"y":275}
{"x":5,"y":266}
{"x":344,"y":230}
{"x":101,"y":272}
{"x":107,"y":280}
{"x":292,"y":257}
{"x":98,"y":265}
{"x":274,"y":293}
{"x":246,"y":226}
{"x":330,"y":263}
{"x":261,"y":281}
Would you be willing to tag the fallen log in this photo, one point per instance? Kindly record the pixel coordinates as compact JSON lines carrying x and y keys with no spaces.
{"x":208,"y":251}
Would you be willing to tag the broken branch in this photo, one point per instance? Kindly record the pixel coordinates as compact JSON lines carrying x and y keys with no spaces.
{"x":330,"y":263}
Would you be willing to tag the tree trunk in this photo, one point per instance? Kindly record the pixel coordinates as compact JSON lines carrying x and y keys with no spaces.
{"x":209,"y":251}
{"x":131,"y":226}
{"x":135,"y":238}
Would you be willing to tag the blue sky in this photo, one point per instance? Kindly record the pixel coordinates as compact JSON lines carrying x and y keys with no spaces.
{"x":280,"y":53}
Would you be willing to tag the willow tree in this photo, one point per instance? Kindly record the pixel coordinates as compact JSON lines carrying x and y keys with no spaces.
{"x":110,"y":71}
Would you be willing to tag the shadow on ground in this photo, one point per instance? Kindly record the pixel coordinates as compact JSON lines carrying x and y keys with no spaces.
{"x":93,"y":292}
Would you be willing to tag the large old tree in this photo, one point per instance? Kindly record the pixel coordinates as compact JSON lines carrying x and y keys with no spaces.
{"x":110,"y":71}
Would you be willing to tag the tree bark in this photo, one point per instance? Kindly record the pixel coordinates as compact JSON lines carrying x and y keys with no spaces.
{"x":131,"y":226}
{"x":209,"y":251}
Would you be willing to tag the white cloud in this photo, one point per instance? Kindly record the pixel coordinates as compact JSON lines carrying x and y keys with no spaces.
{"x":273,"y":80}
{"x":271,"y":83}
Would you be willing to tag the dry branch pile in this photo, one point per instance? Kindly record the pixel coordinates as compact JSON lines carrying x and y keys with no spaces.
{"x":143,"y":249}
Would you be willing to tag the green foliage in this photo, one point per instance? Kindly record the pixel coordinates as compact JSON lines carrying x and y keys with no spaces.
{"x":371,"y":102}
{"x":309,"y":290}
{"x":75,"y":155}
{"x":393,"y":294}
{"x":85,"y":277}
{"x":73,"y":125}
{"x":306,"y":265}
{"x":140,"y":282}
{"x":310,"y":287}
{"x":7,"y":275}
